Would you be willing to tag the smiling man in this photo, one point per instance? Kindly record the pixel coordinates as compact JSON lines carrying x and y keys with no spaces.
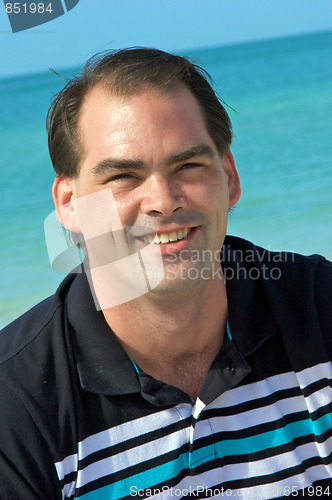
{"x":210,"y":381}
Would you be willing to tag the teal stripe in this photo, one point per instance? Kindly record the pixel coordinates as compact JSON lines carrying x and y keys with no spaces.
{"x":260,"y":442}
{"x":229,"y":335}
{"x":252,"y":444}
{"x":135,"y":365}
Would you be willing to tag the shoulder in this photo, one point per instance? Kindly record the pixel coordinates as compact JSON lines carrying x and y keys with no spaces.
{"x":286,"y":271}
{"x":35,"y":386}
{"x":18,"y":335}
{"x":22,"y":331}
{"x":296,"y":289}
{"x":290,"y":264}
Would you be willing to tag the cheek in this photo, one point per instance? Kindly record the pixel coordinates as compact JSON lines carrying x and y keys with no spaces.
{"x":128,"y":206}
{"x":210,"y":195}
{"x":221,"y":193}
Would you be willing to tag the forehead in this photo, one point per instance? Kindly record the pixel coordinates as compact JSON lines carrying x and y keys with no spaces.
{"x":149,"y":118}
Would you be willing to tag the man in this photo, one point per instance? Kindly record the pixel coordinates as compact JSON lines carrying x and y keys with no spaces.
{"x":212,"y":381}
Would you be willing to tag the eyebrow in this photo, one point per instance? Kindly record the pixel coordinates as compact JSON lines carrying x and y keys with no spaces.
{"x":113,"y":164}
{"x":191,"y":152}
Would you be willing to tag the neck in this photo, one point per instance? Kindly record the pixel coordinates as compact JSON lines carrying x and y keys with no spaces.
{"x":174,"y":340}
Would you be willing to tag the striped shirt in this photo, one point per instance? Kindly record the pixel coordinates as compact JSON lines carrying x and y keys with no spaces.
{"x":80,"y":420}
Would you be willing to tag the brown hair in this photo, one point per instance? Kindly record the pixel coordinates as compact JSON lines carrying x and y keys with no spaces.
{"x":124,"y":73}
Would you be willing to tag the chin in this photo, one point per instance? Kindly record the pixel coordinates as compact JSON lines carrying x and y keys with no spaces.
{"x":182,"y":277}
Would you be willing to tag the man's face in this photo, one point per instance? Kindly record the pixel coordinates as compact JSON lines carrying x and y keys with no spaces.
{"x":155,"y":154}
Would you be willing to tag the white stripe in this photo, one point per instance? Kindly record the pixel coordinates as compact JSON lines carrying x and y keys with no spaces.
{"x":318,"y":372}
{"x":268,"y":386}
{"x":198,"y":408}
{"x":319,"y":399}
{"x":68,"y":490}
{"x":132,"y":429}
{"x":68,"y":465}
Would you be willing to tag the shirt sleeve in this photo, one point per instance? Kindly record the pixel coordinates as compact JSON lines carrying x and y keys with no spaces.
{"x":27,"y":471}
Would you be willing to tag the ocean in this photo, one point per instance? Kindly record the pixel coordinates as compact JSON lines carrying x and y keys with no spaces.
{"x":279,"y":94}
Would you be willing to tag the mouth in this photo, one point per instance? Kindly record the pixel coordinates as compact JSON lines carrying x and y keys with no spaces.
{"x":166,"y":238}
{"x":169,"y":241}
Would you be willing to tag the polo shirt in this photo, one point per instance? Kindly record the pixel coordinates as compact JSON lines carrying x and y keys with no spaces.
{"x":79,"y":419}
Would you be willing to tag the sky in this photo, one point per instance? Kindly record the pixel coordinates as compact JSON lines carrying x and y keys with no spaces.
{"x":173,"y":25}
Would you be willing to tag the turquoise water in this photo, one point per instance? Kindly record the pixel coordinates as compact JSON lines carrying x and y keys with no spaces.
{"x":281,"y":97}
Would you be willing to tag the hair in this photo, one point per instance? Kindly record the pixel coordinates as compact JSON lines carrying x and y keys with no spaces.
{"x":124,"y":73}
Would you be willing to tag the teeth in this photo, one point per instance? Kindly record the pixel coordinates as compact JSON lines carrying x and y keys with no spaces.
{"x":165,"y":238}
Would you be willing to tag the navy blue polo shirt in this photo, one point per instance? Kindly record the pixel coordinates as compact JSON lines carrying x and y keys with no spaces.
{"x":80,"y":420}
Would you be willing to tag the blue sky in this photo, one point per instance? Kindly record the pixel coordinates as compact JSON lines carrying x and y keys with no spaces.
{"x":174,"y":25}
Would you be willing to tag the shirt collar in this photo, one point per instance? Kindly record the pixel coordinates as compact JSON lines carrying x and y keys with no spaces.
{"x":250,"y":317}
{"x":103,"y":366}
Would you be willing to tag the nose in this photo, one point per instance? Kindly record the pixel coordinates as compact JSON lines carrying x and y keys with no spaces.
{"x":162,"y":196}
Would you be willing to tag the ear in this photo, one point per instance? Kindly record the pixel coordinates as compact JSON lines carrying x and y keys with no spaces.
{"x":63,"y":192}
{"x":234,"y":184}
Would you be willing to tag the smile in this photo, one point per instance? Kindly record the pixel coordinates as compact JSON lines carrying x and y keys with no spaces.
{"x":163,"y":238}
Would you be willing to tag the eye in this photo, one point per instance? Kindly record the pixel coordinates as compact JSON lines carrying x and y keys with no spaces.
{"x":189,"y":166}
{"x":120,"y":177}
